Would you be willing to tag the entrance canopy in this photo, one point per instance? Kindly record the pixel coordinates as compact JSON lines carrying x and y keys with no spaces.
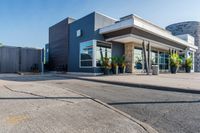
{"x":135,"y":29}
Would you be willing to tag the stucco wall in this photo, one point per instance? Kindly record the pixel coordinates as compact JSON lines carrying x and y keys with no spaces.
{"x":192,"y":28}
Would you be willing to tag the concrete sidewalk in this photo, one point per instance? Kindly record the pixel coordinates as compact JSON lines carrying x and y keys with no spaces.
{"x":36,"y":107}
{"x":180,"y":82}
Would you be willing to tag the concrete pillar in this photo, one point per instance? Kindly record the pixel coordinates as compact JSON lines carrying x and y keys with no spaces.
{"x":129,"y":57}
{"x":158,"y":58}
{"x":149,"y":57}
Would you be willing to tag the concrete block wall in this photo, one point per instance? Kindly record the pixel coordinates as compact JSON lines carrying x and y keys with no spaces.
{"x":192,"y":28}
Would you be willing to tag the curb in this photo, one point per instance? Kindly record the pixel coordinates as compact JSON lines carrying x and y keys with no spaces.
{"x":145,"y":126}
{"x":139,"y":85}
{"x":146,"y":86}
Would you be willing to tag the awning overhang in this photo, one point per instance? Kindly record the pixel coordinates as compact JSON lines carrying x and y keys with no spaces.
{"x":136,"y":29}
{"x":139,"y":40}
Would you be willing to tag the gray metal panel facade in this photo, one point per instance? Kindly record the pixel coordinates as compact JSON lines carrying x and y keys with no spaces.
{"x":64,"y":43}
{"x":9,"y":60}
{"x":192,"y":28}
{"x":117,"y":49}
{"x":58,"y":45}
{"x":29,"y":57}
{"x":89,"y":26}
{"x":15,"y":59}
{"x":86,"y":25}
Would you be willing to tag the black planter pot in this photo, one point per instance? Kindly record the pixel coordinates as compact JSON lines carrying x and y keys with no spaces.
{"x":188,"y":70}
{"x":115,"y":70}
{"x":122,"y":69}
{"x":106,"y":71}
{"x":173,"y":69}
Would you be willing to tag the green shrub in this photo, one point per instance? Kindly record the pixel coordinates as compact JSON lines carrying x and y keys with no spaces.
{"x":175,"y":60}
{"x":188,"y":62}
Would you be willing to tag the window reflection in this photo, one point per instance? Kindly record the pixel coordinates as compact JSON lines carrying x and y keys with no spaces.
{"x":163,"y":61}
{"x":86,"y":53}
{"x":154,"y":57}
{"x":138,"y":58}
{"x":102,"y":50}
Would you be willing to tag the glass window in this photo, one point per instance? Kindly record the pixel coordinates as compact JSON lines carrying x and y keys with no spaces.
{"x":102,"y":50}
{"x":163,"y":61}
{"x":86,"y":54}
{"x":138,"y":58}
{"x":154,"y":57}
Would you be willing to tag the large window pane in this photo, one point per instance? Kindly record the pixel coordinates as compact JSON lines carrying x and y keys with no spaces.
{"x":163,"y":61}
{"x":138,"y":58}
{"x":102,"y":50}
{"x":154,"y":58}
{"x":86,"y":53}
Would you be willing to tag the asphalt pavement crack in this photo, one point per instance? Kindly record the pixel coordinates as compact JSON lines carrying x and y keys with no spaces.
{"x":36,"y":95}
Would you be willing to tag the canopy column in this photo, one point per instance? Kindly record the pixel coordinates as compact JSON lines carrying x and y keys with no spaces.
{"x":129,"y":56}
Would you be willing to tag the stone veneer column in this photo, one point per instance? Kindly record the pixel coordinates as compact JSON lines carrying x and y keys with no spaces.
{"x":129,"y":56}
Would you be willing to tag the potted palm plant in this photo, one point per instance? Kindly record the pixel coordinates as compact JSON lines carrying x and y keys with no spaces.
{"x":115,"y":66}
{"x":188,"y":64}
{"x":122,"y":64}
{"x":174,"y":62}
{"x":106,"y":65}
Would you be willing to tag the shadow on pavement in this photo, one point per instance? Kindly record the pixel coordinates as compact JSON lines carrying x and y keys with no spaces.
{"x":32,"y":78}
{"x":36,"y":98}
{"x":156,"y":102}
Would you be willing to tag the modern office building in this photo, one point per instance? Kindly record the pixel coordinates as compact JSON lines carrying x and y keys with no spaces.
{"x":192,"y":28}
{"x":78,"y":45}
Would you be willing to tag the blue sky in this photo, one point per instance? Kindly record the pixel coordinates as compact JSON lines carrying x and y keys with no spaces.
{"x":26,"y":22}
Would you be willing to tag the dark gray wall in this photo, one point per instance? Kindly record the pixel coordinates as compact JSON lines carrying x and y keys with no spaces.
{"x":117,"y":49}
{"x":15,"y":59}
{"x":9,"y":60}
{"x":86,"y":25}
{"x":29,"y":57}
{"x":192,"y":28}
{"x":89,"y":25}
{"x":58,"y":45}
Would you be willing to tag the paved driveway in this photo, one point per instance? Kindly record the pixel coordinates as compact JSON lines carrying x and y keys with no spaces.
{"x":168,"y":112}
{"x":31,"y":106}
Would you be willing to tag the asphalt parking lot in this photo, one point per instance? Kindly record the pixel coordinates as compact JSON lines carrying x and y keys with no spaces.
{"x":34,"y":104}
{"x":167,"y":112}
